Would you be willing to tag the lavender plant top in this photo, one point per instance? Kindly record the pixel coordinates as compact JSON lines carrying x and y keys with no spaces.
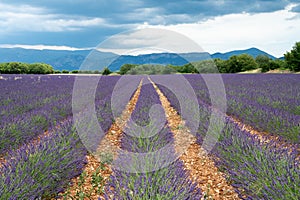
{"x":43,"y":170}
{"x":269,"y":103}
{"x":33,"y":104}
{"x":256,"y":170}
{"x":142,"y":170}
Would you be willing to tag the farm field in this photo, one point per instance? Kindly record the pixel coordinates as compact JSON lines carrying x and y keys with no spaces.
{"x":149,"y":146}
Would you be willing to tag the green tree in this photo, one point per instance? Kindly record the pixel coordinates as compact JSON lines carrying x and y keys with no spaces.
{"x":240,"y":63}
{"x":292,"y":58}
{"x":16,"y":68}
{"x":106,"y":71}
{"x":126,"y":68}
{"x":74,"y":72}
{"x":278,"y":64}
{"x":187,"y":68}
{"x":2,"y":68}
{"x":222,"y":65}
{"x":65,"y":71}
{"x":234,"y":65}
{"x":175,"y":68}
{"x":25,"y":68}
{"x":205,"y":66}
{"x":167,"y":70}
{"x":40,"y":68}
{"x":264,"y":62}
{"x":133,"y":71}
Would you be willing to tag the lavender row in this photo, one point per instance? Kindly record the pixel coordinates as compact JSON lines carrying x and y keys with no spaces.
{"x":95,"y":118}
{"x":151,"y":137}
{"x":43,"y":170}
{"x":147,"y":167}
{"x":269,"y":103}
{"x":258,"y":171}
{"x":55,"y":95}
{"x":34,"y":107}
{"x":22,"y":94}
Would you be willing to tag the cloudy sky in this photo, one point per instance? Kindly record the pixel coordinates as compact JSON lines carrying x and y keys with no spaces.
{"x":217,"y":26}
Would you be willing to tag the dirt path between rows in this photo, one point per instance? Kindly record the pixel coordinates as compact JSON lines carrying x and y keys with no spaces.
{"x":202,"y":169}
{"x":265,"y":137}
{"x":109,"y":145}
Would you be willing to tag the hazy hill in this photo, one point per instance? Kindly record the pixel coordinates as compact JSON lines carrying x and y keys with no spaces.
{"x":159,"y":58}
{"x":252,"y":51}
{"x":68,"y":60}
{"x":71,"y":60}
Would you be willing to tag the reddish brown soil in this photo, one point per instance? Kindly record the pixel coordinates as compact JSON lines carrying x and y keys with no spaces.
{"x":109,"y":145}
{"x":201,"y":168}
{"x":265,"y":137}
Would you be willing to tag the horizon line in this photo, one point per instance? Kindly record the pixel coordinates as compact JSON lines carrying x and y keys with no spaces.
{"x":42,"y":47}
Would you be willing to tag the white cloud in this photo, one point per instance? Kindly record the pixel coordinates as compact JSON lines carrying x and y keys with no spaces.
{"x":272,"y":32}
{"x":58,"y":25}
{"x":37,"y":19}
{"x":133,"y":52}
{"x":144,"y":40}
{"x":152,"y":15}
{"x":42,"y":47}
{"x":21,"y":9}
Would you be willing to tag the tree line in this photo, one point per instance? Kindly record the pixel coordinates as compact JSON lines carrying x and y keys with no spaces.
{"x":25,"y":68}
{"x":235,"y":64}
{"x":42,"y":68}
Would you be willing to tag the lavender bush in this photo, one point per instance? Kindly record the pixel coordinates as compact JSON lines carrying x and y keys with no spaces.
{"x":256,"y":170}
{"x":268,"y":103}
{"x":43,"y":170}
{"x":160,"y":175}
{"x":34,"y":104}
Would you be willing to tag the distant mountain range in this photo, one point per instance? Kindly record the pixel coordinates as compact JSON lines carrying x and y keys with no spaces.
{"x":252,"y":51}
{"x":72,"y":60}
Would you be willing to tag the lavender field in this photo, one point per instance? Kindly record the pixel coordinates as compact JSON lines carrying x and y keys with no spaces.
{"x":43,"y":155}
